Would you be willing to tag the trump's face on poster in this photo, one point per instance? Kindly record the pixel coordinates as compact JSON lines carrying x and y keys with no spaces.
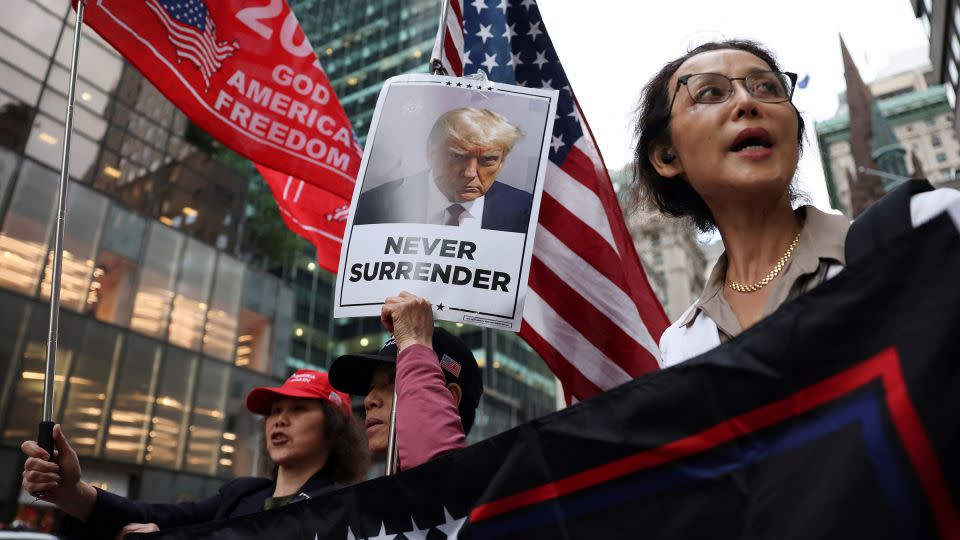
{"x":467,"y":149}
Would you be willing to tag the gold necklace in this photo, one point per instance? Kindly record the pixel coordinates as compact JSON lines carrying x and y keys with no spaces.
{"x":777,"y":268}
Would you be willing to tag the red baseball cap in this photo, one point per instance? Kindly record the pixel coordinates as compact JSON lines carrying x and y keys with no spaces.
{"x":305,"y":383}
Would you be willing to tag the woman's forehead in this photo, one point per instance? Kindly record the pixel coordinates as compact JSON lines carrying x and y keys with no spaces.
{"x":730,"y":62}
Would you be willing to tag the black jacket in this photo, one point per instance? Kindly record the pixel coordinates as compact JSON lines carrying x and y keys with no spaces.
{"x":238,"y":497}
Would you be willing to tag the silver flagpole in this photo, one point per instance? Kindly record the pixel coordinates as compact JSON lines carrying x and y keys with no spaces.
{"x":436,"y":68}
{"x":393,"y":453}
{"x":45,"y":435}
{"x":436,"y":65}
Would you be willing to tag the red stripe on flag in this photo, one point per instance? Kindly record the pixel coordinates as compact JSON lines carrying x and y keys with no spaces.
{"x":581,"y":239}
{"x":455,"y":6}
{"x":594,"y":325}
{"x":450,"y":49}
{"x":652,"y":313}
{"x":573,"y":381}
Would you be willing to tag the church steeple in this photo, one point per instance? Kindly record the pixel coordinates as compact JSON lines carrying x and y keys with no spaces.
{"x":872,"y":141}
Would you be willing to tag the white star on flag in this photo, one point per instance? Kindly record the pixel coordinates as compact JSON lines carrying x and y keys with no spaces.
{"x":534,"y":30}
{"x":479,"y":4}
{"x":557,"y":143}
{"x":450,"y":527}
{"x":382,"y":535}
{"x":484,"y":32}
{"x":504,"y":4}
{"x":528,"y":3}
{"x":490,"y":62}
{"x":546,"y":83}
{"x":573,"y":113}
{"x":465,"y":58}
{"x":514,"y":59}
{"x":541,"y":59}
{"x":417,"y":533}
{"x":350,"y":535}
{"x":510,"y":31}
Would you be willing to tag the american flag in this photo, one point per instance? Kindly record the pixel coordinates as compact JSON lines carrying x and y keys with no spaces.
{"x":590,"y":312}
{"x":193,"y":34}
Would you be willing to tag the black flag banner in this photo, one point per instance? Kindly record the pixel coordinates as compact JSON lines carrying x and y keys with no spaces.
{"x":836,"y":417}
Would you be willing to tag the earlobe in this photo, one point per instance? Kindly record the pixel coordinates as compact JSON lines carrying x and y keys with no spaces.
{"x":456,"y":391}
{"x":665,"y":160}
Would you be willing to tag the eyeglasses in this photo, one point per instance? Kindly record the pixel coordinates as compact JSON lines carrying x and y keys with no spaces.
{"x":765,"y":86}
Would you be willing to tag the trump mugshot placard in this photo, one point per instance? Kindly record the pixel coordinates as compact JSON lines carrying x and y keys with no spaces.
{"x":447,"y":199}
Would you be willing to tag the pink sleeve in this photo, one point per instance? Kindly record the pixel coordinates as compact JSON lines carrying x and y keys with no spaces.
{"x":428,"y":421}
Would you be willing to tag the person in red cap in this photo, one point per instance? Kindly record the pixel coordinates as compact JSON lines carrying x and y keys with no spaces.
{"x":314,"y":443}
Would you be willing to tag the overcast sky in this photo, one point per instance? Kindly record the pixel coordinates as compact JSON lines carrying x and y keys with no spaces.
{"x":610,"y":48}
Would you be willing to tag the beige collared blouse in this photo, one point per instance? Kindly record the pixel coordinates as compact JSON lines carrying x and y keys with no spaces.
{"x":820,"y":247}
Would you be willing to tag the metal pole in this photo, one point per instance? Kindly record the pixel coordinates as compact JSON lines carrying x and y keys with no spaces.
{"x":436,"y":66}
{"x":883,"y":174}
{"x":45,"y":435}
{"x":393,"y":463}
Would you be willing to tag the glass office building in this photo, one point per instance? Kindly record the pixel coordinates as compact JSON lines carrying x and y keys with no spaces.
{"x":361,"y":44}
{"x":164,"y":327}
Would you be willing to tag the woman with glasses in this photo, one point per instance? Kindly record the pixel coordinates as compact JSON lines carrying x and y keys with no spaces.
{"x":718,"y":141}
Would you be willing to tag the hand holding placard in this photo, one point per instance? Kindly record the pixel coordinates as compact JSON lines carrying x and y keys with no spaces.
{"x":409,"y":318}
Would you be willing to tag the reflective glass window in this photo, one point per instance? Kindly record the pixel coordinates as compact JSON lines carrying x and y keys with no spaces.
{"x":99,"y":66}
{"x":284,"y":325}
{"x":86,"y":211}
{"x":207,"y":420}
{"x":220,"y":331}
{"x":46,"y":144}
{"x":116,"y":268}
{"x":18,"y":85}
{"x":26,"y":228}
{"x":151,"y":308}
{"x":14,"y":319}
{"x":133,"y":400}
{"x":8,"y":162}
{"x":32,"y":24}
{"x":242,"y":441}
{"x":88,"y":95}
{"x":193,"y":295}
{"x":18,"y":54}
{"x":168,"y":427}
{"x":27,"y":397}
{"x":84,"y":121}
{"x":15,"y":119}
{"x":84,"y":416}
{"x":254,"y":339}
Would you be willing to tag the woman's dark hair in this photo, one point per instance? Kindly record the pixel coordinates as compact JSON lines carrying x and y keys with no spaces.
{"x":349,"y":457}
{"x":670,"y":196}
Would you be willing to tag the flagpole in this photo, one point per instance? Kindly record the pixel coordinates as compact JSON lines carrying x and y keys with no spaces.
{"x":393,"y":464}
{"x":45,"y":434}
{"x":436,"y":66}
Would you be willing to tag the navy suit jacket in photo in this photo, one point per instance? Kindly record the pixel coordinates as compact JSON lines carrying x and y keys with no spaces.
{"x":505,"y":207}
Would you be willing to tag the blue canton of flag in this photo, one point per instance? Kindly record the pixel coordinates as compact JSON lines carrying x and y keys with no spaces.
{"x":192,"y":12}
{"x":510,"y":43}
{"x":193,"y":35}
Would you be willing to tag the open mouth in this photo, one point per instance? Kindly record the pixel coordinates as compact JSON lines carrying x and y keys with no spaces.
{"x":278,"y":439}
{"x":752,"y":139}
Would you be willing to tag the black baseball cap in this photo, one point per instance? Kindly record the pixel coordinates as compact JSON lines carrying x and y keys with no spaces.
{"x":353,"y":373}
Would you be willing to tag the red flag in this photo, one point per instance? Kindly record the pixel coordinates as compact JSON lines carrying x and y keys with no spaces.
{"x":590,"y":312}
{"x":317,"y":215}
{"x":244,"y":73}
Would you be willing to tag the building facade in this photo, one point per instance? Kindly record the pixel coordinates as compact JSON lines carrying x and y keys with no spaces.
{"x":164,"y":327}
{"x":671,"y":255}
{"x":941,"y":20}
{"x":921,"y":118}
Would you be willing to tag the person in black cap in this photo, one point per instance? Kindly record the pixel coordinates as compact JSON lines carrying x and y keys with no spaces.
{"x":438,"y":384}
